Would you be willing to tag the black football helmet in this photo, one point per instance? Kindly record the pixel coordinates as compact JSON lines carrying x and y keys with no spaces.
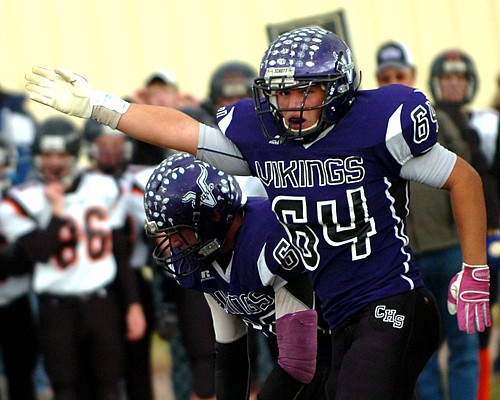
{"x":232,"y":80}
{"x":58,"y":135}
{"x":453,"y":61}
{"x":300,"y":59}
{"x":185,"y":193}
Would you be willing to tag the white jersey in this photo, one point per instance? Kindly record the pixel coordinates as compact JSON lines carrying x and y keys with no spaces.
{"x":85,"y":261}
{"x":485,"y":122}
{"x":135,"y":181}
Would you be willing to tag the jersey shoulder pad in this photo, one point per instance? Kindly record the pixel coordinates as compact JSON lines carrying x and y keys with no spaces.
{"x":411,"y":126}
{"x":485,"y":120}
{"x":104,"y":184}
{"x":28,"y":197}
{"x":240,"y":123}
{"x":141,"y":178}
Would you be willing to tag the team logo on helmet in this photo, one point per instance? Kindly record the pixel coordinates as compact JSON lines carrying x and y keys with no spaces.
{"x":207,"y":197}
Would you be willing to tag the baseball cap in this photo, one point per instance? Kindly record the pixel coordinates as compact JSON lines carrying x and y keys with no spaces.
{"x":394,"y":54}
{"x":163,"y":76}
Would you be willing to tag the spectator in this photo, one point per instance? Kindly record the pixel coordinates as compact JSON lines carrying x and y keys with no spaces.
{"x":454,"y":82}
{"x":18,"y":341}
{"x":69,"y":223}
{"x":17,"y":126}
{"x":110,"y":152}
{"x":436,"y":246}
{"x":395,"y":64}
{"x":160,"y":89}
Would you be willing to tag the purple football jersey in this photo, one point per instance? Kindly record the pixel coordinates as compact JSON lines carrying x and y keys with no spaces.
{"x":263,"y":261}
{"x":341,"y":196}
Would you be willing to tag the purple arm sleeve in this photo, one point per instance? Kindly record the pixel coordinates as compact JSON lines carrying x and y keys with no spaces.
{"x":298,"y":345}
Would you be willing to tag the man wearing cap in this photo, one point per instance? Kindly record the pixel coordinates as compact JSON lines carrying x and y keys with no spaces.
{"x":395,"y":65}
{"x":161,"y":89}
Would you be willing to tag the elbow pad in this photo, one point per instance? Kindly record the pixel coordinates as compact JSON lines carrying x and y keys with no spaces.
{"x":298,"y":344}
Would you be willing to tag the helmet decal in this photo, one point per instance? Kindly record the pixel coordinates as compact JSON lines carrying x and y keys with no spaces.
{"x":296,"y":48}
{"x":206,"y":197}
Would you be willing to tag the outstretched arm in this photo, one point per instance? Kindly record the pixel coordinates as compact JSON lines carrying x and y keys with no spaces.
{"x":71,"y":94}
{"x":161,"y":126}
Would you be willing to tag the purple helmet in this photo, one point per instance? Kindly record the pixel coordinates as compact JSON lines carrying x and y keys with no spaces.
{"x":181,"y":193}
{"x":299,"y":59}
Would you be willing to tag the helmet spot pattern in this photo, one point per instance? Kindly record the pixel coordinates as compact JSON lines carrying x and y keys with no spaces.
{"x":296,"y":48}
{"x":300,"y":58}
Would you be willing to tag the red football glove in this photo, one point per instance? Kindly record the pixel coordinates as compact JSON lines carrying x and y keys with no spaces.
{"x":469,"y":298}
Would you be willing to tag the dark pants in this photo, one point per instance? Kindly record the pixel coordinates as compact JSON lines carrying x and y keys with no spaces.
{"x":138,"y":378}
{"x":195,"y":324}
{"x":378,"y":353}
{"x":19,"y":347}
{"x":82,"y":337}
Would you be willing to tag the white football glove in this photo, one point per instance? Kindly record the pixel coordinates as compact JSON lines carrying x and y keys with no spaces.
{"x":71,"y":94}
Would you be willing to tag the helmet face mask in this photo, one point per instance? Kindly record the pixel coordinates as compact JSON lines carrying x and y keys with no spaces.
{"x":301,"y":59}
{"x":189,"y":208}
{"x":111,"y":153}
{"x":178,"y":249}
{"x":56,"y":166}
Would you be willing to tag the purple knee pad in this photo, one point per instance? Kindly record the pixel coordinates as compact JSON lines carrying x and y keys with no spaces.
{"x":298,"y":344}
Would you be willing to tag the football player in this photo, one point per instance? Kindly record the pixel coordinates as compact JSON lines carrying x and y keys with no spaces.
{"x":237,"y":253}
{"x":336,"y":162}
{"x":110,"y":151}
{"x":70,"y":222}
{"x":453,"y":82}
{"x":18,"y":341}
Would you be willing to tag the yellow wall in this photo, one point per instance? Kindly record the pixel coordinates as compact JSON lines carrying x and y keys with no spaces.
{"x":116,"y":43}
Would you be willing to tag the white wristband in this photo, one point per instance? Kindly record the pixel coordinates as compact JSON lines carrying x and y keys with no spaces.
{"x":107,"y":109}
{"x":474,"y":266}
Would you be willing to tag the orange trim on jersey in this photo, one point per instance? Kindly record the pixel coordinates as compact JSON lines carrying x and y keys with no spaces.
{"x":17,"y":207}
{"x":137,"y":190}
